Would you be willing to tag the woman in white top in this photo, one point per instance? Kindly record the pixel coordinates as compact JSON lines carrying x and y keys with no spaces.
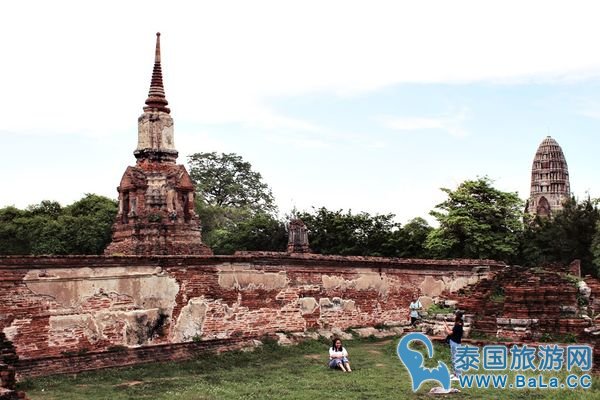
{"x":338,"y":356}
{"x":415,"y":306}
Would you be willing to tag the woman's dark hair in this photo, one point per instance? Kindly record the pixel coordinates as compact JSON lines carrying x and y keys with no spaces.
{"x":333,"y":343}
{"x":459,"y":318}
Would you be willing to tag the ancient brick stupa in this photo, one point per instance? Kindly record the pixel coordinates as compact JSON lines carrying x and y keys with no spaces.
{"x":156,"y":196}
{"x":549,"y":180}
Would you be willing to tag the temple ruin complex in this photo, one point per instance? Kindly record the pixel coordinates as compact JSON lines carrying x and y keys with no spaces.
{"x":158,"y":293}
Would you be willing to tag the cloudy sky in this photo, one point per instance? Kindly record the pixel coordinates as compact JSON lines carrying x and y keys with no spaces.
{"x":370,"y":106}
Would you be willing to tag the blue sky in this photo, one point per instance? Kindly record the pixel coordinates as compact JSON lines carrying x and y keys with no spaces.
{"x":364,"y":106}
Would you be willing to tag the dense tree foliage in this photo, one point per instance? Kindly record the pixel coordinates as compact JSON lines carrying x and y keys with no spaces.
{"x":235,"y":206}
{"x":227,"y":229}
{"x":344,"y":233}
{"x":567,"y":236}
{"x":13,"y":238}
{"x":336,"y":232}
{"x":257,"y":232}
{"x":414,"y":235}
{"x":226,"y":180}
{"x":84,"y":227}
{"x":595,"y":250}
{"x":477,"y":221}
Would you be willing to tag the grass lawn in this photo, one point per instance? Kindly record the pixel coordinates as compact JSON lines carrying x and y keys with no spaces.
{"x":273,"y":372}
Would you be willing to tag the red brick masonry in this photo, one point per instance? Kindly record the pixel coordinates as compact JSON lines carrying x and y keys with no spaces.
{"x":53,"y":308}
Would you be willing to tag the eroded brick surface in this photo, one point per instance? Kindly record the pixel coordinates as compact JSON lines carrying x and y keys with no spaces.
{"x":526,"y":304}
{"x":64,"y":306}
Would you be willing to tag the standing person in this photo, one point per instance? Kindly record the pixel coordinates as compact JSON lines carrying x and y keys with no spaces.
{"x":414,"y":307}
{"x":454,"y":338}
{"x":338,"y":356}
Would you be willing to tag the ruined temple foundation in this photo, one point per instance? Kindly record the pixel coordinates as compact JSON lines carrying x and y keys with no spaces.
{"x":528,"y":304}
{"x":167,"y":223}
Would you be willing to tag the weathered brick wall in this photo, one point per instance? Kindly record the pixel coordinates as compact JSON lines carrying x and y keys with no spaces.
{"x":120,"y":357}
{"x":64,"y":306}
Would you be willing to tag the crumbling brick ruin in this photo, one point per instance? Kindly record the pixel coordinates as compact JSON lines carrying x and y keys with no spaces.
{"x":545,"y":304}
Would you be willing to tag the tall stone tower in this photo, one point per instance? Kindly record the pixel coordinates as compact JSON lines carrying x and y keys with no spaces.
{"x":549,"y":180}
{"x":156,"y":196}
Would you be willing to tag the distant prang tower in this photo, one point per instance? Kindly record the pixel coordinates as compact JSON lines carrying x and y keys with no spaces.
{"x":156,"y":196}
{"x":549,"y":180}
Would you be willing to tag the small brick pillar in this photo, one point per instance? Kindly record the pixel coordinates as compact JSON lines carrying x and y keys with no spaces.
{"x":298,"y":237}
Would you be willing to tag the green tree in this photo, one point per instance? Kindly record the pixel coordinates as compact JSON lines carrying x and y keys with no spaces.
{"x":226,"y":180}
{"x":13,"y":240}
{"x":257,"y":232}
{"x":233,"y":203}
{"x":47,"y":235}
{"x":40,"y":228}
{"x":564,"y":237}
{"x":595,"y":250}
{"x":88,"y":224}
{"x":46,"y":208}
{"x":477,"y":221}
{"x":344,"y":233}
{"x":47,"y":228}
{"x":413,"y":237}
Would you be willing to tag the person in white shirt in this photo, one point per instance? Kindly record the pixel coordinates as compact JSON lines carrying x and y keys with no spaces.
{"x":338,"y":356}
{"x":415,"y":306}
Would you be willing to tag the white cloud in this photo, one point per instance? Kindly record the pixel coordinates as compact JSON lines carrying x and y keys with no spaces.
{"x":451,"y":123}
{"x":81,"y":67}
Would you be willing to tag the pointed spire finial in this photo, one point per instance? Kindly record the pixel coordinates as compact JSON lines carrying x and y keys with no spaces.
{"x":157,"y":52}
{"x":156,"y":96}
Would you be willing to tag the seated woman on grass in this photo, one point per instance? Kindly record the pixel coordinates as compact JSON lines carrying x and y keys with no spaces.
{"x":338,"y":356}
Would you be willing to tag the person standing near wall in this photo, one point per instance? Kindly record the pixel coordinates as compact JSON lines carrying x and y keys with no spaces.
{"x":414,"y":307}
{"x":454,"y":338}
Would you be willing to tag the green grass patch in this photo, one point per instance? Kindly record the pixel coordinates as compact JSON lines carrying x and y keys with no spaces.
{"x":557,"y":338}
{"x":272,"y":372}
{"x":439,"y":309}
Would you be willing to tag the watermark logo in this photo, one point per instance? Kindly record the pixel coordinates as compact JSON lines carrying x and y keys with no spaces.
{"x":530,"y":367}
{"x":414,"y":362}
